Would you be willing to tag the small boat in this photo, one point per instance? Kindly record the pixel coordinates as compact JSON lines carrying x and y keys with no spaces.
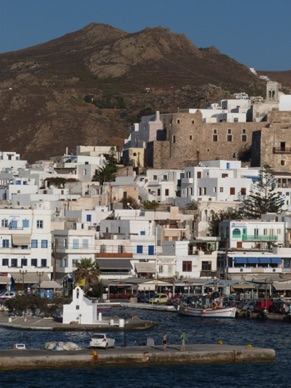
{"x":220,"y":312}
{"x":103,"y":307}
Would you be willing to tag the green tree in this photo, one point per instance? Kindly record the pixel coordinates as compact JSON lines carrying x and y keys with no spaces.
{"x":263,"y":198}
{"x":87,"y":273}
{"x":231,"y":214}
{"x":103,"y":174}
{"x":150,"y":205}
{"x":107,"y":172}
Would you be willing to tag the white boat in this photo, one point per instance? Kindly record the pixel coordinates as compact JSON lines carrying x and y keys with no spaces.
{"x":220,"y":312}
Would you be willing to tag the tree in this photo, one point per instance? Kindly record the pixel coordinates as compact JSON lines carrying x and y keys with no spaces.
{"x":87,"y":273}
{"x":231,"y":214}
{"x":108,"y":172}
{"x":263,"y":198}
{"x":104,"y":174}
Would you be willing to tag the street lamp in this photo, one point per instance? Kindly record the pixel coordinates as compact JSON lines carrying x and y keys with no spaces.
{"x":39,"y":274}
{"x":23,"y":272}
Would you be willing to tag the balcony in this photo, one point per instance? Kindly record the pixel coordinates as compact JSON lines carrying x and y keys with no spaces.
{"x":255,"y":237}
{"x":281,"y":150}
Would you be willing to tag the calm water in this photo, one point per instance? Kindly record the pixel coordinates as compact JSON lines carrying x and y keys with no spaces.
{"x":274,"y":335}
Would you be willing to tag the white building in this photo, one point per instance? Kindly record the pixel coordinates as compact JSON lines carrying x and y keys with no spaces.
{"x":25,"y":243}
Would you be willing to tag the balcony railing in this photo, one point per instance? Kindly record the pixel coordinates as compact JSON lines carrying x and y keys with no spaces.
{"x":279,"y":150}
{"x":255,"y":237}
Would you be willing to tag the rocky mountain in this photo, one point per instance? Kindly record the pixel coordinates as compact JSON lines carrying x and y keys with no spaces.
{"x":87,"y":87}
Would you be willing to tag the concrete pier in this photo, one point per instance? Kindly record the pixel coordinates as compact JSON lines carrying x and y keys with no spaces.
{"x":137,"y":355}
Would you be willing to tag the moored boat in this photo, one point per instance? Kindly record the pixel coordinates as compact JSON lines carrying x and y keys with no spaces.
{"x":220,"y":312}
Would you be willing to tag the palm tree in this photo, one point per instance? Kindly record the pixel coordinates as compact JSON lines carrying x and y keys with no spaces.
{"x":87,"y":272}
{"x":103,"y":174}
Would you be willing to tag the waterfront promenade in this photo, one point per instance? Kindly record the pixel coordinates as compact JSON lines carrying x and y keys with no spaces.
{"x":136,"y":355}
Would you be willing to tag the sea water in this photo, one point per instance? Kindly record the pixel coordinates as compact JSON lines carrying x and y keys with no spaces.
{"x":259,"y":333}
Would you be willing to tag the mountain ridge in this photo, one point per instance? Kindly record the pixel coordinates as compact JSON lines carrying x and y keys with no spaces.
{"x":44,"y":87}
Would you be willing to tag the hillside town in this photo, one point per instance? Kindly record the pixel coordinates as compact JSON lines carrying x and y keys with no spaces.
{"x":151,"y":215}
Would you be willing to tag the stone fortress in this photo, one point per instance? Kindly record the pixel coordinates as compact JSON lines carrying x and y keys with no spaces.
{"x":233,"y":129}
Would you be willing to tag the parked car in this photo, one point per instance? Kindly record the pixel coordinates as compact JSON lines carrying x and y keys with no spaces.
{"x":159,"y":298}
{"x":143,"y":297}
{"x":101,"y":340}
{"x":7,"y":295}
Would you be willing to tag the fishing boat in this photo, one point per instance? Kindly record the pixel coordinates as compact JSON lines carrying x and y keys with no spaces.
{"x":220,"y":312}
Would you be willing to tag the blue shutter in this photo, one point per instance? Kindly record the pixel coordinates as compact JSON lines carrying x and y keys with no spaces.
{"x":151,"y":250}
{"x":139,"y":249}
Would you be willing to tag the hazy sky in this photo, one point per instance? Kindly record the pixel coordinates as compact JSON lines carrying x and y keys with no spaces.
{"x":254,"y":32}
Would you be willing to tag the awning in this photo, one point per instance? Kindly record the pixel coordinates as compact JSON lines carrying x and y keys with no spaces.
{"x":265,"y":260}
{"x":253,"y":260}
{"x":240,"y":260}
{"x":50,"y":284}
{"x":4,"y":280}
{"x":114,"y":264}
{"x":243,"y":286}
{"x":276,"y":260}
{"x":29,"y":277}
{"x":282,"y":286}
{"x":145,"y":267}
{"x":21,"y":239}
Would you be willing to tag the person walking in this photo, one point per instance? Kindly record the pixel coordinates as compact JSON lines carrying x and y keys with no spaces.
{"x":165,"y":336}
{"x":183,"y":340}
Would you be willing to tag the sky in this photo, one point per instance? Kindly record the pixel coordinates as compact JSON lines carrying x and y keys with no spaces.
{"x":256,"y":33}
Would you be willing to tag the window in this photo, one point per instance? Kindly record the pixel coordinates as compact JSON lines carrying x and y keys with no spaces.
{"x":236,"y":233}
{"x":43,"y":263}
{"x":224,"y":175}
{"x":151,"y":250}
{"x":142,"y":233}
{"x":4,"y":223}
{"x":187,"y":266}
{"x":244,"y":131}
{"x":215,"y":138}
{"x":193,"y":121}
{"x":34,"y":262}
{"x":13,"y":224}
{"x":178,"y":121}
{"x":14,"y":263}
{"x":5,"y":243}
{"x":39,"y":224}
{"x":120,"y":248}
{"x":75,"y":243}
{"x":159,"y":192}
{"x":190,"y":137}
{"x":282,"y":162}
{"x":43,"y":244}
{"x":215,"y":131}
{"x":232,"y":191}
{"x":139,"y":249}
{"x":206,"y":266}
{"x":165,"y":177}
{"x":85,"y":243}
{"x":243,"y":137}
{"x":198,"y":174}
{"x":5,"y":262}
{"x":173,"y":139}
{"x":25,"y":223}
{"x":23,"y":262}
{"x":34,"y":244}
{"x":102,"y":248}
{"x":229,"y":131}
{"x":155,"y":177}
{"x":88,"y":217}
{"x":166,"y":192}
{"x":229,"y":137}
{"x":243,"y":191}
{"x":221,"y":189}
